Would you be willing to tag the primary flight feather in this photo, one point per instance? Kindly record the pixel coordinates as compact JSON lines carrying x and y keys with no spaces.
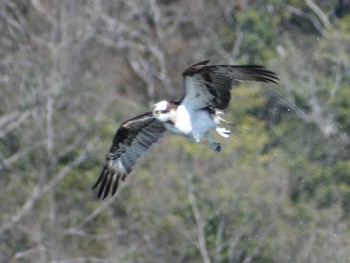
{"x":207,"y":92}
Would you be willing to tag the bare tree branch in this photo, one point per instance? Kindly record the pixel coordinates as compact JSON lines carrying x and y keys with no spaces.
{"x":310,"y":17}
{"x":219,"y":245}
{"x":82,"y":260}
{"x":317,"y":10}
{"x":94,"y":213}
{"x":17,"y":121}
{"x":40,"y":190}
{"x":200,"y":224}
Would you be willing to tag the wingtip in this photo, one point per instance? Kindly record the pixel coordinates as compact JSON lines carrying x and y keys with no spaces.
{"x":99,"y":179}
{"x":107,"y":182}
{"x":194,"y":68}
{"x":261,"y":73}
{"x":202,"y":63}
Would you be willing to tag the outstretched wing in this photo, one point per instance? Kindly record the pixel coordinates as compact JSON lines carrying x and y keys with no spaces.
{"x":133,"y":138}
{"x":210,"y":85}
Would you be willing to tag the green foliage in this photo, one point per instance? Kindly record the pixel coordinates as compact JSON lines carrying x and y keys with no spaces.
{"x":341,"y":105}
{"x":279,"y":191}
{"x":259,"y":40}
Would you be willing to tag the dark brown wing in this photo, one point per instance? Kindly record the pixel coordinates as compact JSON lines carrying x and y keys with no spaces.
{"x":133,"y":138}
{"x":210,"y":85}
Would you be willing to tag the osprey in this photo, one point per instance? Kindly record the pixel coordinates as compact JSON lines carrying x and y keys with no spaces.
{"x":207,"y":94}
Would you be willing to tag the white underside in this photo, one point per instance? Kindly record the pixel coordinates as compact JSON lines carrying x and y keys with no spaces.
{"x":194,"y":124}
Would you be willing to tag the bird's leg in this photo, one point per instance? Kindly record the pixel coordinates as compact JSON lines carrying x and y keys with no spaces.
{"x":223,"y":132}
{"x":214,"y":145}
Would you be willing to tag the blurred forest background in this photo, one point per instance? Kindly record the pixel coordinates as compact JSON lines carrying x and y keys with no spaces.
{"x":72,"y":71}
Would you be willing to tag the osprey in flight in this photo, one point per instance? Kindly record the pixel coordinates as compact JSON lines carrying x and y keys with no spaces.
{"x":207,"y":94}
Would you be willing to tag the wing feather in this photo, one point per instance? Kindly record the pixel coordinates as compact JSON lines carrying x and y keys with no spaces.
{"x":210,"y":85}
{"x":133,"y":138}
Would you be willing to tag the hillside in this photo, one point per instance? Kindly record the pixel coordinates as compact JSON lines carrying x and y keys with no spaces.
{"x":72,"y":71}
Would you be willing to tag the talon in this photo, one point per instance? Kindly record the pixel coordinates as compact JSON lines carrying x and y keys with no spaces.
{"x":216,"y":147}
{"x":223,"y":132}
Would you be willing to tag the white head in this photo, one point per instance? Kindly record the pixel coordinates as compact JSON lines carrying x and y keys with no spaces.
{"x":161,"y":111}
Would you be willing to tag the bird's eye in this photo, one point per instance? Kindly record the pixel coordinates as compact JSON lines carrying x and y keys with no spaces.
{"x":158,"y":111}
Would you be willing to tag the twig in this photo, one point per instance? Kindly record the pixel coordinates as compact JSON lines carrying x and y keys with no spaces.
{"x":199,"y":221}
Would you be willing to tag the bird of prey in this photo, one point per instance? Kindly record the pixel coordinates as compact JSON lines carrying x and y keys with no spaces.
{"x":207,"y":93}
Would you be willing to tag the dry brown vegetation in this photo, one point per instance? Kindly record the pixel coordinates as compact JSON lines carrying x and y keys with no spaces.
{"x":72,"y":71}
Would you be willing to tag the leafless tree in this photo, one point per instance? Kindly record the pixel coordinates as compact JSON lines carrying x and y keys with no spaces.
{"x":72,"y":71}
{"x":40,"y":67}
